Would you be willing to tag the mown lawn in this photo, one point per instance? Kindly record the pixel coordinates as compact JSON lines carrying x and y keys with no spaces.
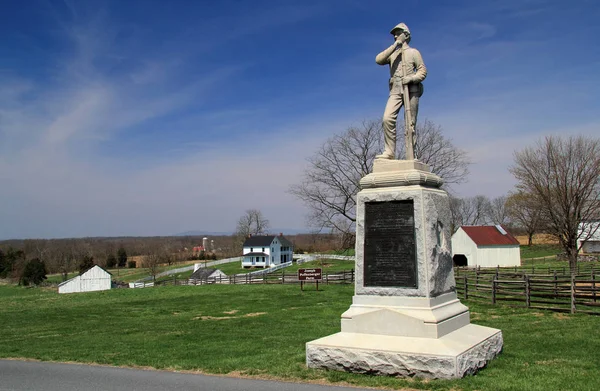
{"x":540,"y":250}
{"x":261,"y":330}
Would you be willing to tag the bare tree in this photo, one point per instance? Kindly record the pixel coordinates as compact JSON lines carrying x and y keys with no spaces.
{"x":38,"y":248}
{"x":157,"y":254}
{"x":444,"y":159}
{"x":252,"y":223}
{"x":468,"y":211}
{"x":65,"y":255}
{"x":563,"y":176}
{"x":152,"y":262}
{"x":525,"y":212}
{"x":331,"y":181}
{"x":497,"y":212}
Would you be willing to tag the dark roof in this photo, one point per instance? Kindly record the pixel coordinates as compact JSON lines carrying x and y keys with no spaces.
{"x":260,"y":241}
{"x":255,"y":254}
{"x":266,"y":240}
{"x":202,"y":273}
{"x":285,"y":242}
{"x":490,"y":235}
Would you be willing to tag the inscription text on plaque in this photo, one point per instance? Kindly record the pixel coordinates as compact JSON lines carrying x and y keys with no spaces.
{"x":389,"y":252}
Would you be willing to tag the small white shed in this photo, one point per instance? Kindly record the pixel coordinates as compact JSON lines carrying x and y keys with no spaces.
{"x":207,"y":274}
{"x":93,"y":279}
{"x":485,"y":246}
{"x":588,"y":237}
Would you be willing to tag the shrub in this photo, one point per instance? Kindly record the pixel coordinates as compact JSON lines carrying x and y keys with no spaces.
{"x":122,"y":257}
{"x":86,"y":263}
{"x":34,"y":272}
{"x":111,"y":261}
{"x":131,"y":264}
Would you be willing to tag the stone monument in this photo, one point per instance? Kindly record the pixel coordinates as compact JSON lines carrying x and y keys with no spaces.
{"x":405,"y":318}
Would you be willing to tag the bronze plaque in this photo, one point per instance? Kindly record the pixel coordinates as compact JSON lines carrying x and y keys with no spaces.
{"x":389,"y":253}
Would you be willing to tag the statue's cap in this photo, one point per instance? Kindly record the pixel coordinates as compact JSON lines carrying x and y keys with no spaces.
{"x":400,"y":26}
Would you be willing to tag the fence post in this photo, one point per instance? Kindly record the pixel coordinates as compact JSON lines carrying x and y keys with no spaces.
{"x":477,"y":279}
{"x":283,"y":277}
{"x":466,"y":288}
{"x":555,"y":285}
{"x":264,"y":278}
{"x":572,"y":293}
{"x":594,"y":285}
{"x":527,"y":292}
{"x":497,"y":271}
{"x":494,"y":291}
{"x":352,"y":275}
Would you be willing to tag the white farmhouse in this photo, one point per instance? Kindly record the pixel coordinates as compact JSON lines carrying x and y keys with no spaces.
{"x":588,"y":237}
{"x":485,"y":246}
{"x":266,"y":251}
{"x":93,"y":279}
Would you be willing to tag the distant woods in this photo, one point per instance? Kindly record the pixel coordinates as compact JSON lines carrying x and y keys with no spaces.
{"x":76,"y":255}
{"x":73,"y":255}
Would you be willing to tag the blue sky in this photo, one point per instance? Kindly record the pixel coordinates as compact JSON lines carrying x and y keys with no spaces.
{"x":158,"y":117}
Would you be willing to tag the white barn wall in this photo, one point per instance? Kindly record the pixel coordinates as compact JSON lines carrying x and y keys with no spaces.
{"x":462,"y":244}
{"x":95,"y":279}
{"x":498,"y":256}
{"x":70,"y":286}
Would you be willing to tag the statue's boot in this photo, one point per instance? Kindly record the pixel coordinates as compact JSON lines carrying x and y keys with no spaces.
{"x":385,"y":155}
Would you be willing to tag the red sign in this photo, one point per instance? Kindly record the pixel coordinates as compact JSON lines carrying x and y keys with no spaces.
{"x":310,"y":275}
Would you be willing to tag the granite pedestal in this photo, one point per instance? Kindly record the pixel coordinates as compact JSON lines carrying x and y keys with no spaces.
{"x":405,"y":318}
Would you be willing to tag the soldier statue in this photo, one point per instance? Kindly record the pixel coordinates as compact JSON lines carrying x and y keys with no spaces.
{"x":407,"y":71}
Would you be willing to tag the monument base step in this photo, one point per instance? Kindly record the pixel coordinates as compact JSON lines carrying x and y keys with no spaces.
{"x":452,"y":356}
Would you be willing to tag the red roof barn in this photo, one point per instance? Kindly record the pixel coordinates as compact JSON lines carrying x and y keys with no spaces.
{"x":485,"y":246}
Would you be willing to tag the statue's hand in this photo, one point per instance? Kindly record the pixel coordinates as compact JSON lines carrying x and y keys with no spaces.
{"x":406,"y":80}
{"x":400,"y":39}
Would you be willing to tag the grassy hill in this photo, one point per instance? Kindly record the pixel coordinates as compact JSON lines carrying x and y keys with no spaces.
{"x":261,"y":330}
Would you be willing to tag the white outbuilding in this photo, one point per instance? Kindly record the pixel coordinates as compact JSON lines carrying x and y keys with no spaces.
{"x":207,"y":274}
{"x":93,"y":279}
{"x":588,"y":237}
{"x":485,"y":246}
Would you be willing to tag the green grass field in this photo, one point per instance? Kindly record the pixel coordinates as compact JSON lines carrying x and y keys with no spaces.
{"x":540,"y":250}
{"x":261,"y":330}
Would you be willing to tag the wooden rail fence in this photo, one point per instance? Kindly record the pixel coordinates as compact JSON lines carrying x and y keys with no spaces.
{"x":343,"y":277}
{"x":556,"y":291}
